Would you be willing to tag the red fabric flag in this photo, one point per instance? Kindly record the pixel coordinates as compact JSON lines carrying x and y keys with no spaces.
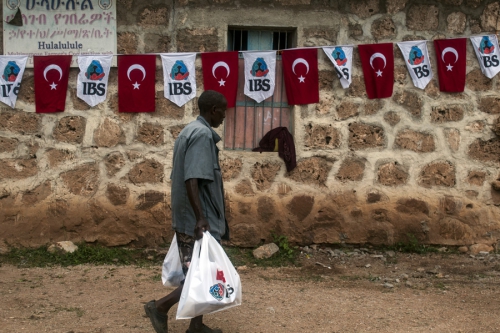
{"x":300,"y":69}
{"x":377,"y":61}
{"x":51,"y":82}
{"x":451,"y":58}
{"x":136,"y":83}
{"x":220,"y":73}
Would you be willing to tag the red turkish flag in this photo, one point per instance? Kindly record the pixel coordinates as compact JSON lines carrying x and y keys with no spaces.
{"x":51,"y":82}
{"x":377,"y":61}
{"x":220,"y":73}
{"x":300,"y":70}
{"x":451,"y":58}
{"x":136,"y":83}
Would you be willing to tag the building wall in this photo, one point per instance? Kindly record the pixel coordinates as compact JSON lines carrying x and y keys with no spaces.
{"x":424,"y":163}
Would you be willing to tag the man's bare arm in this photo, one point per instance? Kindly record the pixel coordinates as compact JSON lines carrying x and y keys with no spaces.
{"x":194,"y":199}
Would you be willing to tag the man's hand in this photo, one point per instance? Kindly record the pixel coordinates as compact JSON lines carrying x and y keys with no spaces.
{"x":201,"y":226}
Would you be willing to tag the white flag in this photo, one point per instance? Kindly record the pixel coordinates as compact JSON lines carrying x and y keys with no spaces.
{"x":12,"y":68}
{"x":341,"y":58}
{"x":179,"y":77}
{"x":486,"y":48}
{"x":417,"y":61}
{"x":260,"y":74}
{"x":92,"y":83}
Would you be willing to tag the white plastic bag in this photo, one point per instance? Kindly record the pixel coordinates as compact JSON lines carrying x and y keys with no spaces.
{"x":171,"y":273}
{"x":212,"y":283}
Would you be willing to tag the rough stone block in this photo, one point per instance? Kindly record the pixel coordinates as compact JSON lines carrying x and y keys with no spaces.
{"x":245,"y":188}
{"x":264,"y":173}
{"x":488,"y":104}
{"x":351,"y":169}
{"x":326,"y":78}
{"x":78,"y":104}
{"x":364,"y":8}
{"x":392,"y":174}
{"x":18,"y":168}
{"x":151,"y":134}
{"x":347,"y":110}
{"x":410,"y":101}
{"x":446,"y":113}
{"x":422,"y":18}
{"x":325,"y":105}
{"x":20,"y":122}
{"x":266,"y":209}
{"x":154,"y":43}
{"x":149,"y":171}
{"x":489,"y":17}
{"x":38,"y":194}
{"x":475,"y":26}
{"x":419,"y":142}
{"x":438,"y":174}
{"x":82,"y":180}
{"x":355,"y":31}
{"x":165,"y":108}
{"x":392,"y":118}
{"x":373,"y":106}
{"x":476,"y":248}
{"x":70,"y":129}
{"x":412,"y":206}
{"x":455,"y":23}
{"x":283,"y":189}
{"x":117,"y":195}
{"x":114,"y":162}
{"x":400,"y":74}
{"x":7,"y":144}
{"x":175,"y":130}
{"x":496,"y":127}
{"x":62,"y":247}
{"x":395,"y":6}
{"x":127,"y":43}
{"x":486,"y":151}
{"x":150,"y":199}
{"x":154,"y":16}
{"x":266,"y":251}
{"x":300,"y":206}
{"x":58,"y":156}
{"x":453,"y":229}
{"x":324,"y":35}
{"x":476,"y":177}
{"x":453,"y":138}
{"x":108,"y":134}
{"x":357,"y":87}
{"x":363,"y":136}
{"x":123,"y":116}
{"x":27,"y":91}
{"x":197,"y":40}
{"x":383,"y":28}
{"x":312,"y":170}
{"x":231,"y":168}
{"x":321,"y":136}
{"x":475,"y":126}
{"x":477,"y":81}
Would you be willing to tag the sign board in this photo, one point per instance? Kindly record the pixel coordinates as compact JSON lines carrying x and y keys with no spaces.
{"x":70,"y":27}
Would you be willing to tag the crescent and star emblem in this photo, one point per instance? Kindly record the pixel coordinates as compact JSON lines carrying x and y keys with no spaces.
{"x":452,"y":50}
{"x":300,"y":61}
{"x":53,"y":86}
{"x":139,"y":67}
{"x":375,"y":56}
{"x":221,"y":64}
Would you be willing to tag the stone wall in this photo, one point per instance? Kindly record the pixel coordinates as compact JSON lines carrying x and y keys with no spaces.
{"x":369,"y":171}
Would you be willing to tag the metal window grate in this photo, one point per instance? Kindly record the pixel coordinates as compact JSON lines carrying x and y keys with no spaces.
{"x":249,"y":121}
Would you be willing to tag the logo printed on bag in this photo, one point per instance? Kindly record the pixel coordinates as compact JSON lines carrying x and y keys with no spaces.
{"x":259,"y":70}
{"x":180,"y":73}
{"x":487,"y":47}
{"x":220,"y":276}
{"x":217,"y":291}
{"x":416,"y":58}
{"x":10,"y":73}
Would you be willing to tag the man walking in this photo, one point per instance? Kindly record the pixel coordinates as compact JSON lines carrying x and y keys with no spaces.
{"x":197,"y":198}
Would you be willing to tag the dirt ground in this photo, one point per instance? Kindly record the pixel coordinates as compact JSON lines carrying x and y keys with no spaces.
{"x":357,"y":291}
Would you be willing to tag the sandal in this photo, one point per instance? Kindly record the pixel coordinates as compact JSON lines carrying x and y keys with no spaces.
{"x":205,"y":329}
{"x":158,"y":319}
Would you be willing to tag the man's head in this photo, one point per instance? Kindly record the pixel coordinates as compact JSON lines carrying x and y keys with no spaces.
{"x":212,"y":105}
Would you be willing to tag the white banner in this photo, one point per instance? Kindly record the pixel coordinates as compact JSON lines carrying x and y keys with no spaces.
{"x":12,"y":70}
{"x":260,"y":74}
{"x":92,"y":84}
{"x":486,"y":48}
{"x":341,"y":58}
{"x":179,"y":77}
{"x":417,"y":61}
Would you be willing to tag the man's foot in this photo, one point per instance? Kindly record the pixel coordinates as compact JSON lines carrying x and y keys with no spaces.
{"x":204,"y":329}
{"x":158,"y":319}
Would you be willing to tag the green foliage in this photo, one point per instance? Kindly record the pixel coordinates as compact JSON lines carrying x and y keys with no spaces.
{"x":413,"y":246}
{"x":285,"y":249}
{"x":86,"y":254}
